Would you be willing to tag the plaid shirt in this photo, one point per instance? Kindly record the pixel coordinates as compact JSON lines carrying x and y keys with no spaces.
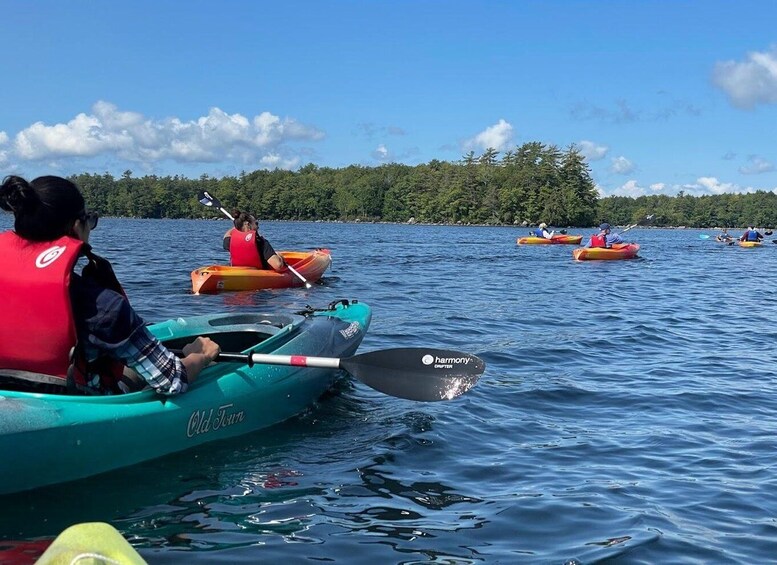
{"x":108,"y":325}
{"x":160,"y":368}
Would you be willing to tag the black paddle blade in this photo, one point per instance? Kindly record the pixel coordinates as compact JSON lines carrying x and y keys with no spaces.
{"x":428,"y":375}
{"x":646,"y":220}
{"x":207,"y":200}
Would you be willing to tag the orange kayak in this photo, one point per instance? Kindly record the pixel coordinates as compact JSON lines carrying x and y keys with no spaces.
{"x":617,"y":251}
{"x":559,"y":238}
{"x":217,"y":278}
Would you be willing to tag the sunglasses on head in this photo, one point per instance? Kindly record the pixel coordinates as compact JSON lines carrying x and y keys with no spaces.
{"x":89,"y":219}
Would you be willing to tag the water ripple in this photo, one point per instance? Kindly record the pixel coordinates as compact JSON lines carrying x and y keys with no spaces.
{"x":627,"y":413}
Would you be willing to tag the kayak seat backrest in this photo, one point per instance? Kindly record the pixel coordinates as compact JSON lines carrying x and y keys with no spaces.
{"x":24,"y":381}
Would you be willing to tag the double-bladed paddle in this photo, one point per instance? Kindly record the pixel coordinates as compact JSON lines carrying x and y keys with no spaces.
{"x":207,"y":199}
{"x":643,"y":222}
{"x":414,"y":373}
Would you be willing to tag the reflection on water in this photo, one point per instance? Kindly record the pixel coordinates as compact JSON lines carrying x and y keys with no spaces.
{"x":626,"y":414}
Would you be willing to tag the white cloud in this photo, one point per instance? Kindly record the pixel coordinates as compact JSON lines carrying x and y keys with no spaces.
{"x":275,"y":161}
{"x":622,"y":114}
{"x":592,"y":151}
{"x":371,"y":131}
{"x":498,"y":136}
{"x":130,"y":136}
{"x":713,"y":186}
{"x":701,"y":187}
{"x":3,"y":150}
{"x":750,"y":82}
{"x":381,"y":153}
{"x":756,"y":165}
{"x":630,"y":188}
{"x":621,"y":165}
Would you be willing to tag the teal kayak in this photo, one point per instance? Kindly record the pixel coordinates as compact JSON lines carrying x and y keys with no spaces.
{"x":49,"y":438}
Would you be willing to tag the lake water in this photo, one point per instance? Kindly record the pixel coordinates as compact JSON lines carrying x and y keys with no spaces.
{"x":627,"y":413}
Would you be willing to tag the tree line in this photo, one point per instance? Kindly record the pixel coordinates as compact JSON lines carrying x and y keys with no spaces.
{"x":531,"y":184}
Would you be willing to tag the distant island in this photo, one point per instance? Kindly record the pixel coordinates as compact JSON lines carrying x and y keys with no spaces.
{"x":533,"y":183}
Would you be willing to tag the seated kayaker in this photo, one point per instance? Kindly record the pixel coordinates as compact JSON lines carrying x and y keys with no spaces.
{"x":604,"y":238}
{"x":542,"y":231}
{"x":249,"y":249}
{"x":68,"y":332}
{"x":724,"y":236}
{"x":751,"y":234}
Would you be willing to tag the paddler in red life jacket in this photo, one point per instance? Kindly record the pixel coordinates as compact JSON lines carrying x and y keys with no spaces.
{"x":249,"y":249}
{"x":604,"y":238}
{"x":72,"y":333}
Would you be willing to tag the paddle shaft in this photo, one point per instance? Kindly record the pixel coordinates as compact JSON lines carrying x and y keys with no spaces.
{"x":290,"y":360}
{"x":642,"y":222}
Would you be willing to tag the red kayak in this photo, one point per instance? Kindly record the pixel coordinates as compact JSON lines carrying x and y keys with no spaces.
{"x":617,"y":251}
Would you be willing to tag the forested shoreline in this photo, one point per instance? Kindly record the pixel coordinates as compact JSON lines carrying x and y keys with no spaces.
{"x":531,"y":184}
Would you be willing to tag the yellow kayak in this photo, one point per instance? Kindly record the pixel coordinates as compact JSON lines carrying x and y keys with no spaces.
{"x":750,"y":243}
{"x":617,"y":251}
{"x":91,"y":542}
{"x":218,"y":278}
{"x":558,"y":238}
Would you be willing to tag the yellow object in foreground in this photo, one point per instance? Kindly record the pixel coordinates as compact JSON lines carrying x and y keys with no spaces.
{"x":91,"y":543}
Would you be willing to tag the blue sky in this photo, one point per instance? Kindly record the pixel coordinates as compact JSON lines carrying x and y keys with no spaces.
{"x":660,"y":96}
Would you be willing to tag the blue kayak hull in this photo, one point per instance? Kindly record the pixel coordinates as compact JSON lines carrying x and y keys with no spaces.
{"x":48,"y":439}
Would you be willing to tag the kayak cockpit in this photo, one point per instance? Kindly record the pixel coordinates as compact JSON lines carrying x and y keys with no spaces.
{"x":233,"y":332}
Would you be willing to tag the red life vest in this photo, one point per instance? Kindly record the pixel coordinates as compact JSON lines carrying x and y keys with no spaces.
{"x":41,"y":333}
{"x":39,"y":343}
{"x":599,"y":240}
{"x":242,"y":249}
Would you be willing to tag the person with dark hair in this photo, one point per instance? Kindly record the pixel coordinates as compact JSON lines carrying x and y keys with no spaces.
{"x":74,"y":333}
{"x":249,"y":249}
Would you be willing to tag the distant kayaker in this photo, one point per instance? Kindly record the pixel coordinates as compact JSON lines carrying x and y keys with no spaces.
{"x":724,"y":236}
{"x":751,"y":234}
{"x":67,"y":332}
{"x":249,"y":249}
{"x":542,"y":231}
{"x":604,"y":238}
